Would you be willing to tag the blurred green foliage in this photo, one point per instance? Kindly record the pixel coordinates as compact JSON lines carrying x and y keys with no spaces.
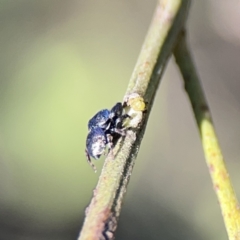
{"x":55,"y":74}
{"x":62,"y":61}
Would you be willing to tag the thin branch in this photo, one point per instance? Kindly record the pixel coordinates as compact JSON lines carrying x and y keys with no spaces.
{"x":104,"y":209}
{"x":220,"y":177}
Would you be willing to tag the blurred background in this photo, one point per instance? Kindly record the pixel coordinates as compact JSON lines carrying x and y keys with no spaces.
{"x":61,"y":62}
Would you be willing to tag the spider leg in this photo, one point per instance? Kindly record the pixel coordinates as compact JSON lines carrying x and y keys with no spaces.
{"x":110,"y":144}
{"x":118,"y":128}
{"x":120,"y":120}
{"x":125,"y":116}
{"x":90,"y":162}
{"x":108,"y":124}
{"x":119,"y":131}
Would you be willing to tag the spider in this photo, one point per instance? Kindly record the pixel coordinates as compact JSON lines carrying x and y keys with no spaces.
{"x":104,"y":127}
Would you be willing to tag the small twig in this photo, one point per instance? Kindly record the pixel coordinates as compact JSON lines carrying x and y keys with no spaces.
{"x":104,"y":209}
{"x":220,"y":177}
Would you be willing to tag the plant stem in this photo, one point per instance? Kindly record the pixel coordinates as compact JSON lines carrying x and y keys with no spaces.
{"x":220,"y":177}
{"x":104,"y":209}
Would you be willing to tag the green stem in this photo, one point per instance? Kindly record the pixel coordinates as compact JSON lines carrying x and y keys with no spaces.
{"x":104,"y":209}
{"x":220,"y":177}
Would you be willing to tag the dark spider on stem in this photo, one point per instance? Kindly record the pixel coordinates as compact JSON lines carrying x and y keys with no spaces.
{"x":103,"y":128}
